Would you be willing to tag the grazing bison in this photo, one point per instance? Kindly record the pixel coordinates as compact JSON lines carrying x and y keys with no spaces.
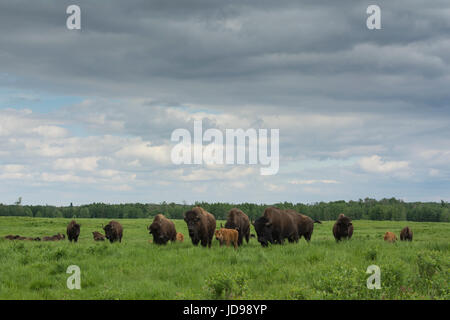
{"x":180,"y":237}
{"x":227,"y":236}
{"x":98,"y":236}
{"x":239,"y":221}
{"x":406,"y":234}
{"x":275,"y":226}
{"x":305,"y":225}
{"x":73,"y":231}
{"x":390,"y":237}
{"x":162,"y":230}
{"x":343,"y":228}
{"x":113,"y":231}
{"x":201,"y":226}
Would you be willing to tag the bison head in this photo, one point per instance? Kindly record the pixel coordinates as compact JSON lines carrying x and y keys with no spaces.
{"x":343,"y":225}
{"x":193,"y":221}
{"x":219,"y":235}
{"x":263,"y":228}
{"x":155,"y":230}
{"x":108,"y":231}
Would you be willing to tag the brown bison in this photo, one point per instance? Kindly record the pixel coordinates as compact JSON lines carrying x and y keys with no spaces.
{"x":239,"y":221}
{"x":227,"y":236}
{"x":406,"y":234}
{"x":11,"y":237}
{"x":113,"y":231}
{"x":180,"y":237}
{"x":390,"y":237}
{"x":98,"y":236}
{"x":275,"y":226}
{"x":305,"y":225}
{"x":73,"y":231}
{"x":201,"y":226}
{"x":57,"y":237}
{"x":162,"y":230}
{"x":343,"y":228}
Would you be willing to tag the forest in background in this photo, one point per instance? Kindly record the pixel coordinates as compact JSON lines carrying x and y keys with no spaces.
{"x":368,"y":209}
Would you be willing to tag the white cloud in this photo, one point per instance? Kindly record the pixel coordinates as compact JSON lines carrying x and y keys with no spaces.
{"x":83,"y":164}
{"x":375,"y":164}
{"x":313,"y":181}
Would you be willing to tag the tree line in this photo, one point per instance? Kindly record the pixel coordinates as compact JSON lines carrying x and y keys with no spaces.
{"x":368,"y":209}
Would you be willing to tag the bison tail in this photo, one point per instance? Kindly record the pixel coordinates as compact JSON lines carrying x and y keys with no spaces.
{"x":317,"y":221}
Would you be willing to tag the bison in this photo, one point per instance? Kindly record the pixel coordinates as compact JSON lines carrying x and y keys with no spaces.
{"x":57,"y":237}
{"x":180,"y":237}
{"x":275,"y":226}
{"x":73,"y":231}
{"x":162,"y":230}
{"x":201,"y":226}
{"x":11,"y":237}
{"x":305,"y":225}
{"x":406,"y":234}
{"x":227,"y":236}
{"x":113,"y":231}
{"x":98,"y":236}
{"x":390,"y":237}
{"x":239,"y":220}
{"x":343,"y":228}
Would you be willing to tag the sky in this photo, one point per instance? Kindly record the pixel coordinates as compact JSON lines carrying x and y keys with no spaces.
{"x":87,"y":115}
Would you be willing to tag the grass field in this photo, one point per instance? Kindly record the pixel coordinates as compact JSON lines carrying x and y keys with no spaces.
{"x":137,"y":269}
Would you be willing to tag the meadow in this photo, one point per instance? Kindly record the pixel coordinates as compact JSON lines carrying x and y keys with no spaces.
{"x":137,"y":269}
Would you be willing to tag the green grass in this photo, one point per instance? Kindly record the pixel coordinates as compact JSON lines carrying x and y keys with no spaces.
{"x":136,"y":269}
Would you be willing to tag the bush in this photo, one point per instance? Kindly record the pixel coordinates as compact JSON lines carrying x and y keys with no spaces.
{"x":223,"y":285}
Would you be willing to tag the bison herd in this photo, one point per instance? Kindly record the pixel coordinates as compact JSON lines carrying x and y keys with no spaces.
{"x":274,"y":227}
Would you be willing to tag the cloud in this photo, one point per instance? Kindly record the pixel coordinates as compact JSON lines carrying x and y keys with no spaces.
{"x":376,"y":165}
{"x":84,"y":164}
{"x":350,"y":109}
{"x":313,"y":181}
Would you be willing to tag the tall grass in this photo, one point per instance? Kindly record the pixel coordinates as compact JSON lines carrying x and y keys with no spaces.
{"x":137,"y":269}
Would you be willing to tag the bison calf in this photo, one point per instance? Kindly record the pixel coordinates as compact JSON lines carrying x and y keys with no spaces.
{"x":390,"y":237}
{"x":98,"y":236}
{"x":227,"y":236}
{"x":180,"y":237}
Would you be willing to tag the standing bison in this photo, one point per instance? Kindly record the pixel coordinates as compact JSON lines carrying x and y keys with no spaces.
{"x":275,"y":226}
{"x":201,"y":226}
{"x":406,"y":234}
{"x":227,"y":236}
{"x":113,"y":231}
{"x":304,"y":224}
{"x":343,"y":228}
{"x":73,"y":231}
{"x":162,"y":230}
{"x":239,"y":221}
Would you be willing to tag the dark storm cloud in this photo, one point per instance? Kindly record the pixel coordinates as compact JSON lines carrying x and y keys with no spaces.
{"x":231,"y":52}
